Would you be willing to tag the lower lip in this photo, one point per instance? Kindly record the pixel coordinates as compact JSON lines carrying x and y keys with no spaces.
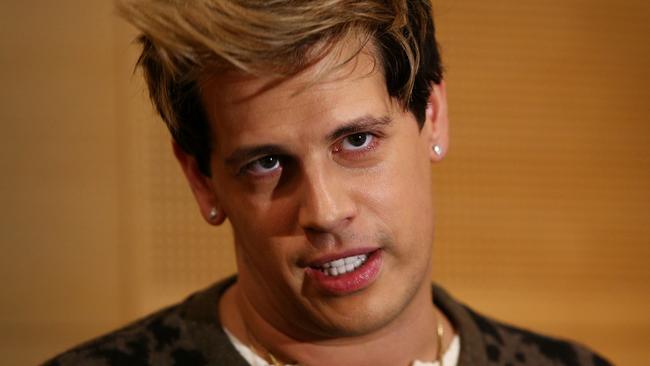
{"x":350,"y":282}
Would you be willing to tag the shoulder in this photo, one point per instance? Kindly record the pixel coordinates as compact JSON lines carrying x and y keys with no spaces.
{"x":506,"y":342}
{"x":158,"y":335}
{"x":175,"y":335}
{"x":487,"y":341}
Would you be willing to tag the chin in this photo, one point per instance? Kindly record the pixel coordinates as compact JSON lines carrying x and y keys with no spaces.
{"x":366,"y":312}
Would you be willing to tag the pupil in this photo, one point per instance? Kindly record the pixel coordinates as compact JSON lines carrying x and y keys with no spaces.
{"x":268,"y":162}
{"x":358,"y":139}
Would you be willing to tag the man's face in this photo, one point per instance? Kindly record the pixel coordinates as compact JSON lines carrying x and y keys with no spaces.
{"x":327,"y":186}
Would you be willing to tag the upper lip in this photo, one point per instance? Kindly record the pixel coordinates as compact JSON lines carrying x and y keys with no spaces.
{"x":319,"y":261}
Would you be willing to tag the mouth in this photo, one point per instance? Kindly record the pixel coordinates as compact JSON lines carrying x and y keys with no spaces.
{"x":346,"y":273}
{"x":341,"y":266}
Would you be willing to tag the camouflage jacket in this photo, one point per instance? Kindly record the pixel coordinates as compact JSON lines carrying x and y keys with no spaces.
{"x":189,"y":333}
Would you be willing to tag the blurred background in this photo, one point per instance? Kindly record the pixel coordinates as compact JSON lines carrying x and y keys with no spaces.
{"x":543,"y":216}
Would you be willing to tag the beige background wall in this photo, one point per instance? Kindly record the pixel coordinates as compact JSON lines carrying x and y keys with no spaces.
{"x":543,"y":214}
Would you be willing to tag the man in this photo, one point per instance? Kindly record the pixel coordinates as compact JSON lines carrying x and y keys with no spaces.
{"x":311,"y":126}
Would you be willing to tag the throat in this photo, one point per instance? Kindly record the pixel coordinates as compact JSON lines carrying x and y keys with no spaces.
{"x":413,"y":333}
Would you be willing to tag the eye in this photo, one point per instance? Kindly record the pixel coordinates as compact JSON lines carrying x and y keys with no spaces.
{"x":264,"y":165}
{"x":357,"y":141}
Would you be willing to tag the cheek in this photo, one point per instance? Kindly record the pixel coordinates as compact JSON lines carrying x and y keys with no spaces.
{"x":271,"y":228}
{"x":400,"y":195}
{"x":264,"y":261}
{"x":257,"y":213}
{"x":265,"y":237}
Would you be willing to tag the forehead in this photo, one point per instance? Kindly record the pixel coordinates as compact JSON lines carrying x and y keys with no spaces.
{"x":242,"y":108}
{"x":352,"y":56}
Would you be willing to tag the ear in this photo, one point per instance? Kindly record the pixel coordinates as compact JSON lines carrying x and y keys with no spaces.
{"x":201,"y":186}
{"x":437,"y":122}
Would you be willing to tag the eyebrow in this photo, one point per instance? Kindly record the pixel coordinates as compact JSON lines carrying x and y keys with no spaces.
{"x":354,"y":126}
{"x":357,"y":125}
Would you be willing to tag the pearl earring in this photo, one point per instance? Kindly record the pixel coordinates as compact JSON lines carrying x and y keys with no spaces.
{"x":437,"y":150}
{"x":212,"y":216}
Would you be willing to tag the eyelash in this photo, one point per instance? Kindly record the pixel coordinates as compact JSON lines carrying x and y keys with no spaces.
{"x":248,"y":168}
{"x":281,"y":161}
{"x":371,"y":145}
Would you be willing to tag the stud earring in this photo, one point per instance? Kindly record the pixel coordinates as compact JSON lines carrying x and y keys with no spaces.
{"x":437,"y":150}
{"x":214,"y":213}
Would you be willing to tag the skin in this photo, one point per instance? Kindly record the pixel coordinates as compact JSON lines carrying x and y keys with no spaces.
{"x":349,"y":169}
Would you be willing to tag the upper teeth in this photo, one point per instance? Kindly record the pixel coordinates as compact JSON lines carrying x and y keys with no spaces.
{"x":343,"y":265}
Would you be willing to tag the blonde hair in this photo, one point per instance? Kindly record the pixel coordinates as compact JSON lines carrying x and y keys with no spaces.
{"x":183,"y":40}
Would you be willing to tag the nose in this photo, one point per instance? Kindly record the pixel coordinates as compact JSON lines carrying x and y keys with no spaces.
{"x":326,"y":205}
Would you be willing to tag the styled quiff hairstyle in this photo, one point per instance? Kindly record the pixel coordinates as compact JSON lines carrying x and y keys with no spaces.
{"x":183,"y":40}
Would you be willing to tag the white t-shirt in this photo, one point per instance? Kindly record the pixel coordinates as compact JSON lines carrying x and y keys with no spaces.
{"x":450,"y":358}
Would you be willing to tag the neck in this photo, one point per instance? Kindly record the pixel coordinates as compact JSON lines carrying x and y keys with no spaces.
{"x":412,"y":335}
